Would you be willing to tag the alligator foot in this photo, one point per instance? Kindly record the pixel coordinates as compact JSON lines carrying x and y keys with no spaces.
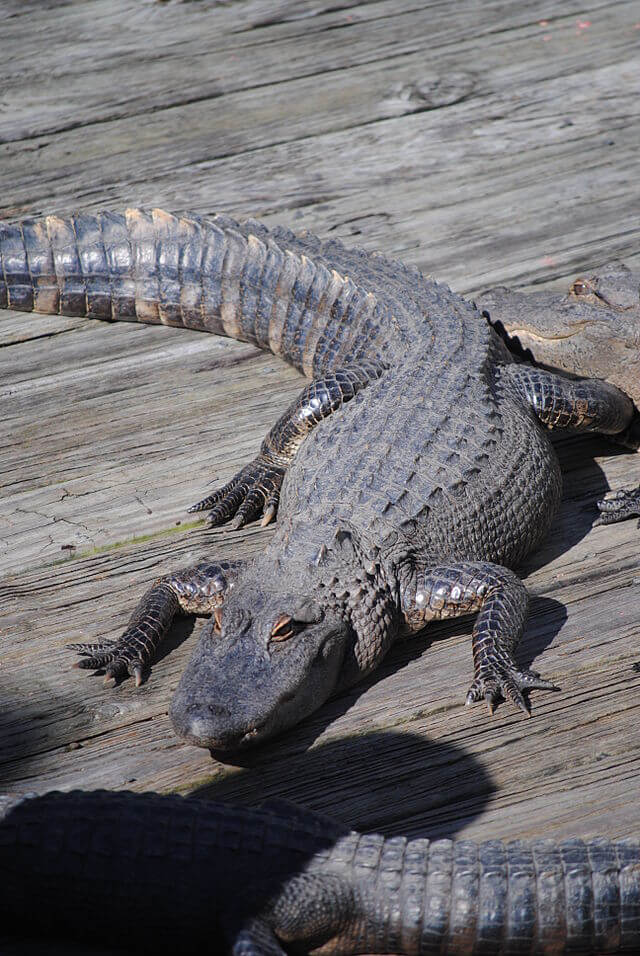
{"x":498,"y":680}
{"x":254,"y":491}
{"x":617,"y":506}
{"x":114,"y":656}
{"x":134,"y":650}
{"x":200,"y":589}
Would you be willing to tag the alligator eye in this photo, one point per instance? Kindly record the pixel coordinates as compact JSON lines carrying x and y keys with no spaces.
{"x":283,"y":628}
{"x":217,"y":620}
{"x":580,"y":287}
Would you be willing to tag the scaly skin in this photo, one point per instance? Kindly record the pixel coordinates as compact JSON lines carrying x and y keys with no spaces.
{"x":164,"y":873}
{"x":409,"y":478}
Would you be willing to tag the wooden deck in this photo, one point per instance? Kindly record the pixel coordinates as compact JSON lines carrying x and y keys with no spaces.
{"x":489,"y":143}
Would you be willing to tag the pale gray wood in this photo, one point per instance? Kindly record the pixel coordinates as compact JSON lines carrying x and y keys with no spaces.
{"x":212,"y":50}
{"x":274,"y":149}
{"x":469,"y":138}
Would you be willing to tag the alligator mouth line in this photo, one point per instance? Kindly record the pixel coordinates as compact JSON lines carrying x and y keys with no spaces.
{"x":538,"y":336}
{"x":225,"y":746}
{"x":516,"y":339}
{"x":250,"y":734}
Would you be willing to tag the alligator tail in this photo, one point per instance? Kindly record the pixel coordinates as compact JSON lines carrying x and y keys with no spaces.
{"x":164,"y":862}
{"x":198,"y":273}
{"x":540,"y":896}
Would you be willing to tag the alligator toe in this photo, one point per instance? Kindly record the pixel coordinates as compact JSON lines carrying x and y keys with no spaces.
{"x":253,"y":492}
{"x":496,"y":681}
{"x":618,"y":506}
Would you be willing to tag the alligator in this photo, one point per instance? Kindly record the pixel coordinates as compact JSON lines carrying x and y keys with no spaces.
{"x":167,"y":873}
{"x":410,"y":477}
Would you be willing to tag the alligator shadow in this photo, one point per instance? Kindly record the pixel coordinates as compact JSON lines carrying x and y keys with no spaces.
{"x":384,"y":781}
{"x":546,"y":618}
{"x":195,"y":905}
{"x":584,"y":483}
{"x":181,"y":629}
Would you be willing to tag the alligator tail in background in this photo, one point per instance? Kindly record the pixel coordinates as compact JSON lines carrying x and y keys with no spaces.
{"x":206,"y":274}
{"x":127,"y":867}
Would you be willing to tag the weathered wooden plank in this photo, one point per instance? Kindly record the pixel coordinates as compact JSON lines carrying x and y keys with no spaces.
{"x":15,"y":328}
{"x":458,"y":152}
{"x":233,"y":52}
{"x":351,"y":94}
{"x":102,"y":405}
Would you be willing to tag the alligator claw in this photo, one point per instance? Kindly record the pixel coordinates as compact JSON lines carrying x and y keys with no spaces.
{"x":110,"y":655}
{"x":492,"y":696}
{"x":270,"y":510}
{"x":617,"y":506}
{"x":495,"y":681}
{"x":253,"y":492}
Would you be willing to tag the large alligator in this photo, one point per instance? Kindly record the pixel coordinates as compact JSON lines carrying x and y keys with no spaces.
{"x":164,"y":873}
{"x":409,"y":505}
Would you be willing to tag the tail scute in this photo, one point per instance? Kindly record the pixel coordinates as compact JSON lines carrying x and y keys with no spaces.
{"x":17,"y":285}
{"x":93,"y":265}
{"x":153,"y":267}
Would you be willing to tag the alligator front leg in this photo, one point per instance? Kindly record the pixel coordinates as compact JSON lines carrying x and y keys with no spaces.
{"x":255,"y":490}
{"x":467,"y":587}
{"x":197,"y":590}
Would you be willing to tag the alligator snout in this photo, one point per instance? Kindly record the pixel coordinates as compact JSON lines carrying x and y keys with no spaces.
{"x":238,"y":690}
{"x":218,"y":703}
{"x":210,"y":725}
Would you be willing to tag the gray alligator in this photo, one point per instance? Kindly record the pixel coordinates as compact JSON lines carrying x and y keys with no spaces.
{"x":163,"y":873}
{"x":411,"y":504}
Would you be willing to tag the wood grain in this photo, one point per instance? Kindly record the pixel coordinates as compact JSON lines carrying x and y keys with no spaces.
{"x":489,"y":143}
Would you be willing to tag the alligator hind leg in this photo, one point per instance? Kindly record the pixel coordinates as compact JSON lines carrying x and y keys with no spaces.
{"x":197,"y":590}
{"x":582,"y":404}
{"x":501,"y":600}
{"x":255,"y":490}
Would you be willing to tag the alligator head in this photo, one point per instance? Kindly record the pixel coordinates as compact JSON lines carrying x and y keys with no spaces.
{"x":265,"y":661}
{"x":592,"y":330}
